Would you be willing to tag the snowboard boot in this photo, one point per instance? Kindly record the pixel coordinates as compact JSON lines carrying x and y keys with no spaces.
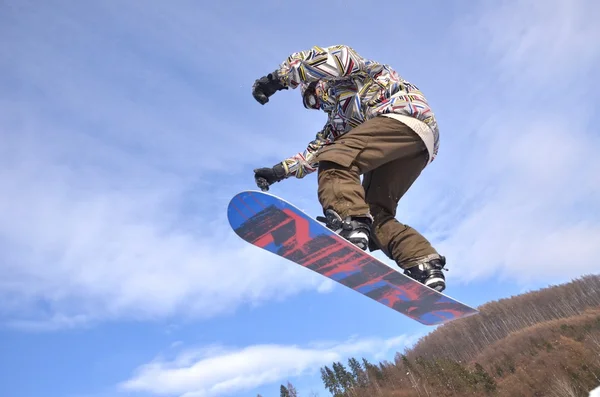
{"x":429,"y":272}
{"x":355,"y":229}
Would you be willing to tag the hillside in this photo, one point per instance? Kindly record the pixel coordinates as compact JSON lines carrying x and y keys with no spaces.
{"x":541,"y":343}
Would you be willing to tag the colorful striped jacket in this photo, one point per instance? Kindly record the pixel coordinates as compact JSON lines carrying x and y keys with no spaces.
{"x":354,"y":90}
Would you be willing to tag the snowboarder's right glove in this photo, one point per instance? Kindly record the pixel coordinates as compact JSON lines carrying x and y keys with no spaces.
{"x":265,"y":177}
{"x":266,"y":86}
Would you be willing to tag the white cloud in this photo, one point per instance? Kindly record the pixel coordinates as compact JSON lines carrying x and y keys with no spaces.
{"x":537,"y":41}
{"x":103,"y":147}
{"x":538,"y":214}
{"x":91,"y":251}
{"x":218,"y":371}
{"x":115,"y":175}
{"x":524,"y":193}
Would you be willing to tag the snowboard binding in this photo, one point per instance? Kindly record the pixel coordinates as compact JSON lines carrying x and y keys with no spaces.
{"x":430,"y":273}
{"x":355,"y":229}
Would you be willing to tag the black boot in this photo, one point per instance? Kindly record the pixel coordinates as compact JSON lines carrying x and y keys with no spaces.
{"x":355,"y":229}
{"x":429,"y":273}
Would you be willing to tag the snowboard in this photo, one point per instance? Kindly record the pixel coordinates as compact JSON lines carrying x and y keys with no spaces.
{"x":277,"y":226}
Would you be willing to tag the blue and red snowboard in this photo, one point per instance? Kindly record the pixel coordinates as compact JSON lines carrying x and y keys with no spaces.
{"x":275,"y":225}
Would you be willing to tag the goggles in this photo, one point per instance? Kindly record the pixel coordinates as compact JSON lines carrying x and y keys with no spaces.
{"x":310,"y":99}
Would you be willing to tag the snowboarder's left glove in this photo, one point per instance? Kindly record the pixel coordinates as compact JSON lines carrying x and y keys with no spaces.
{"x":265,"y":177}
{"x":266,"y":86}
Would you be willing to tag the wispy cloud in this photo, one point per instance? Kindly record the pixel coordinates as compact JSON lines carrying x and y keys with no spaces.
{"x":90,"y":250}
{"x":121,"y":149}
{"x":519,"y":189}
{"x":538,"y":216}
{"x":116,"y":168}
{"x":536,"y":41}
{"x":219,"y":371}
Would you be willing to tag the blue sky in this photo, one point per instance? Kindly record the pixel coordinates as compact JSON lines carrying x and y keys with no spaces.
{"x":127,"y":127}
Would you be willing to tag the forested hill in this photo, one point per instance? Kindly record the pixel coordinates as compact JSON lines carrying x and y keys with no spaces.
{"x":541,"y":343}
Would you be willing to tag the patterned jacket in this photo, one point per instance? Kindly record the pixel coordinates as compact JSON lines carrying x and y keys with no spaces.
{"x":354,"y":90}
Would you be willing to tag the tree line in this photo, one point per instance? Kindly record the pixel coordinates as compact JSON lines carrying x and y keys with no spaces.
{"x":546,"y":340}
{"x":498,"y":319}
{"x":481,"y":355}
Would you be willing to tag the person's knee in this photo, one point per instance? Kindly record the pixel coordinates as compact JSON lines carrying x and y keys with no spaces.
{"x":330,"y":171}
{"x":380,"y":215}
{"x":327,"y":173}
{"x":330,"y":165}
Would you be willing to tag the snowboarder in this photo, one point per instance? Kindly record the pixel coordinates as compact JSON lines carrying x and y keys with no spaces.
{"x":379,"y":126}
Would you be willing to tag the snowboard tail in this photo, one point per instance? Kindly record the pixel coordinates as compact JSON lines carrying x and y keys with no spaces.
{"x":275,"y":225}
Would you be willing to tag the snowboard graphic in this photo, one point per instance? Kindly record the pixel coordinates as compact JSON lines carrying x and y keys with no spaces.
{"x":275,"y":225}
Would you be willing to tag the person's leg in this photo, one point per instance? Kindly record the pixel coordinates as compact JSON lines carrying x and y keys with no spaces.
{"x":367,"y":147}
{"x":343,"y":200}
{"x":384,"y":187}
{"x":391,"y":156}
{"x":341,"y":163}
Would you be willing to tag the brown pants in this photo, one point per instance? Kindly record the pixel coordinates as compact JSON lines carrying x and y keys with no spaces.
{"x":390,"y":156}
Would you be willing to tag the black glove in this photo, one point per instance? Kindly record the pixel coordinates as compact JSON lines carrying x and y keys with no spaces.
{"x":265,"y":177}
{"x":266,"y":86}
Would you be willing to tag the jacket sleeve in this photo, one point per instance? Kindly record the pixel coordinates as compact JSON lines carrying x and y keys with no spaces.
{"x":304,"y":163}
{"x":330,"y":63}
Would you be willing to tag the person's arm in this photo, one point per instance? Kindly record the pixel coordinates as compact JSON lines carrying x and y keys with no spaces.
{"x":329,"y":63}
{"x":303,"y":67}
{"x":304,"y":163}
{"x":299,"y":165}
